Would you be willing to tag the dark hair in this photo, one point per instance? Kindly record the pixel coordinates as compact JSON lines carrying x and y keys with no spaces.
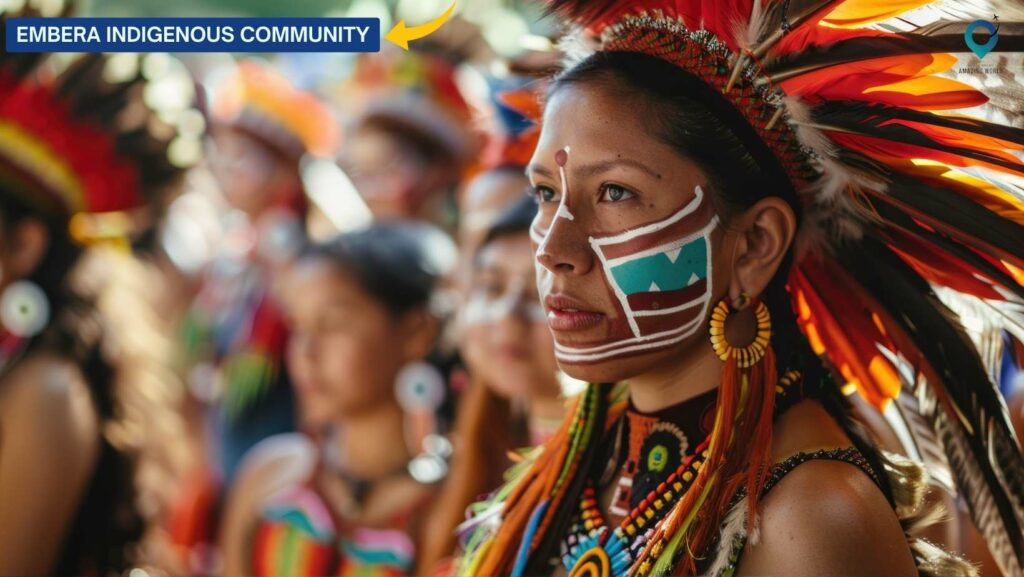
{"x":106,"y":523}
{"x":514,"y":219}
{"x":415,"y":141}
{"x":399,"y":263}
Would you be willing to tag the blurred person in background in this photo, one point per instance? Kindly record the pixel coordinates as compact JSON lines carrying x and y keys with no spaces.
{"x":408,"y":148}
{"x":511,"y":138}
{"x":515,"y":400}
{"x":234,"y":333}
{"x":349,"y":495}
{"x":72,"y":145}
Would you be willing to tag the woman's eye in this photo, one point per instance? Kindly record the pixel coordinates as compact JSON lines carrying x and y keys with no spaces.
{"x":615,"y":193}
{"x":492,"y":290}
{"x":545,"y":193}
{"x":330,"y":322}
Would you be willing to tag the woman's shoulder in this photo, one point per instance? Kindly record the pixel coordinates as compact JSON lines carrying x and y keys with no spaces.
{"x":277,"y":462}
{"x":827,"y":517}
{"x":826,"y":514}
{"x":47,"y":391}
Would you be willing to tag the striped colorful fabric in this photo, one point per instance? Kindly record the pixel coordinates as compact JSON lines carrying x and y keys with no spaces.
{"x":299,"y":538}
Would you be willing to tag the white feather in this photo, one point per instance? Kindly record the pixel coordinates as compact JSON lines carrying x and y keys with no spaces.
{"x":749,"y":33}
{"x":733,"y":531}
{"x":799,"y":117}
{"x":575,"y":46}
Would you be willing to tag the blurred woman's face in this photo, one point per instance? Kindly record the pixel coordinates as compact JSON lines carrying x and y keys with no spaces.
{"x":252,"y":178}
{"x":484,"y":199}
{"x":506,"y":341}
{"x":341,"y":353}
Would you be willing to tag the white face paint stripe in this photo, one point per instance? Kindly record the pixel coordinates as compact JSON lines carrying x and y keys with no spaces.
{"x":479,"y":310}
{"x":690,"y":207}
{"x":563,"y":210}
{"x":668,"y":311}
{"x":619,"y":294}
{"x":613,"y":347}
{"x":624,"y":299}
{"x":664,"y":247}
{"x":688,"y":330}
{"x":595,"y":245}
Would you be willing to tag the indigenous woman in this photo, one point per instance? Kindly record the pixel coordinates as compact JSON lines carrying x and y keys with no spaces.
{"x":71,"y":146}
{"x":515,"y":399}
{"x":731,"y":227}
{"x":347,"y":498}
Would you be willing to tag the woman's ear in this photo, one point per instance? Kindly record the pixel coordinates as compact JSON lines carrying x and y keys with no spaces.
{"x":27,"y":243}
{"x":418,"y":329}
{"x":765,"y":233}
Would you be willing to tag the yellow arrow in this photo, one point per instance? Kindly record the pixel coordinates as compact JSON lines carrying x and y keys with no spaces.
{"x":401,"y":34}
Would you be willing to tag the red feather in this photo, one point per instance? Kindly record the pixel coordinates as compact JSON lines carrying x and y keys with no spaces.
{"x":108,"y":181}
{"x":840,"y":323}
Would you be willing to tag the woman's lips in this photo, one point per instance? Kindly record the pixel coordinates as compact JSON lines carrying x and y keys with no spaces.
{"x":568,"y":314}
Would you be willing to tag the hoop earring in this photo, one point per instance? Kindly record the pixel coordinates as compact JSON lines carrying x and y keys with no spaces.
{"x":752,"y":353}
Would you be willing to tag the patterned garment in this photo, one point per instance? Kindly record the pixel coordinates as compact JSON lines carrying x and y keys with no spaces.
{"x":299,"y":537}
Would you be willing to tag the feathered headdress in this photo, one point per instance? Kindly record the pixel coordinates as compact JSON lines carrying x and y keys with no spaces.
{"x":78,"y":142}
{"x":911,"y":195}
{"x":518,"y":116}
{"x":265,"y":104}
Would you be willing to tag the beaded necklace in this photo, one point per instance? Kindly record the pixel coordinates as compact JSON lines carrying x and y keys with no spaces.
{"x":594,"y":549}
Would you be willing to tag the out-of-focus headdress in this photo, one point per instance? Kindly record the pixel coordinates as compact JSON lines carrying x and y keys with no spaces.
{"x":76,"y":142}
{"x":518,"y":127}
{"x":261,"y":102}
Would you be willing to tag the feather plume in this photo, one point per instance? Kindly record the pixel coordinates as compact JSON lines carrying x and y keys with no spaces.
{"x":734,"y":530}
{"x":954,"y":392}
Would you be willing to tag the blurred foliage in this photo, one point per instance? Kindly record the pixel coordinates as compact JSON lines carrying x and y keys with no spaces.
{"x":214,"y":7}
{"x":268,"y":8}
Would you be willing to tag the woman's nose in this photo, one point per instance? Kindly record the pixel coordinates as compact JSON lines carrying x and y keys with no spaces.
{"x":565,"y":248}
{"x":303,"y":346}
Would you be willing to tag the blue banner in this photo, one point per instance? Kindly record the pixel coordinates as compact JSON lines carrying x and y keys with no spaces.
{"x":193,"y":35}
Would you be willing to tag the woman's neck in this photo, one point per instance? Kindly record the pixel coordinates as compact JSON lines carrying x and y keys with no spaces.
{"x":698,"y":371}
{"x":372,"y":443}
{"x":545,"y":416}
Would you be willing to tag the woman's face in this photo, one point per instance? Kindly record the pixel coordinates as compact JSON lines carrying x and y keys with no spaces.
{"x":485,"y":198}
{"x":341,"y":353}
{"x":627,"y":241}
{"x":382,"y":172}
{"x":507,"y":342}
{"x":251,"y":176}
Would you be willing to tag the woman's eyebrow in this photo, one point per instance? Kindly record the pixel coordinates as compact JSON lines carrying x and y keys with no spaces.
{"x":593,"y":169}
{"x":534,"y":168}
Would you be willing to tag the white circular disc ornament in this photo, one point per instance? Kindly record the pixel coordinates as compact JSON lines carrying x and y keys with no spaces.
{"x":419,"y":387}
{"x":24,"y":309}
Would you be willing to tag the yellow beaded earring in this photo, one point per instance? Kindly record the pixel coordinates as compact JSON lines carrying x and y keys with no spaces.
{"x":750,"y":354}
